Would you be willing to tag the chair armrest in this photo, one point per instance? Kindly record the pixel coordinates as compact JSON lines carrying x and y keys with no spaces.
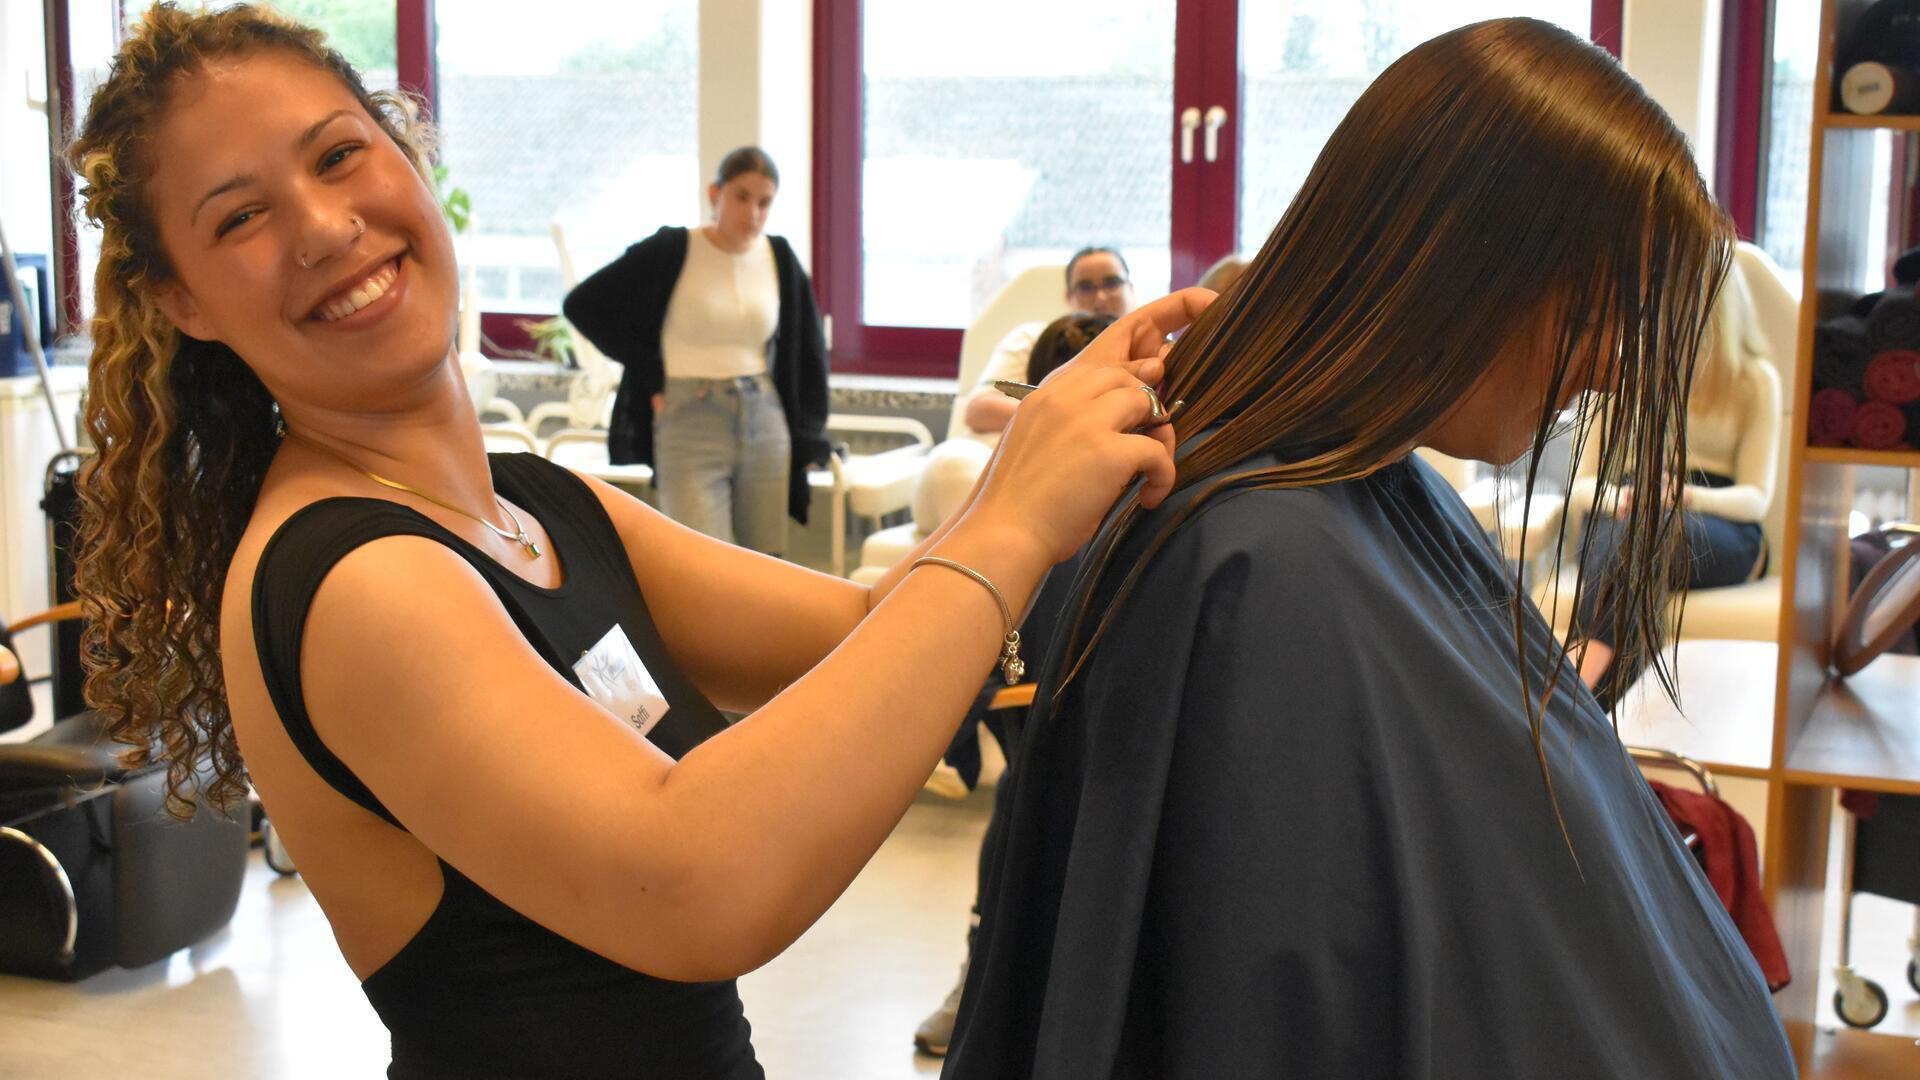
{"x":1013,"y":697}
{"x":9,"y":662}
{"x":883,"y":425}
{"x":62,"y":613}
{"x":75,"y":752}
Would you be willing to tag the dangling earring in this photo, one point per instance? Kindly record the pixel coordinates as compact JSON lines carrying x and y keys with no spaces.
{"x":279,"y":422}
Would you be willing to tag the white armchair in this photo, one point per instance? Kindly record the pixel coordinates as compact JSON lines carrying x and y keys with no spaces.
{"x":508,"y":438}
{"x":483,"y":387}
{"x":869,"y":485}
{"x":949,"y":473}
{"x":584,"y":450}
{"x":1767,"y":312}
{"x":1036,"y":294}
{"x":589,"y":401}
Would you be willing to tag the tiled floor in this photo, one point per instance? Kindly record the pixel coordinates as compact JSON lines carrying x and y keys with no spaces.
{"x":270,"y":998}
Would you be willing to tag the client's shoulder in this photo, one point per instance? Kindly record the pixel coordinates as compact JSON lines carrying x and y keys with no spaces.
{"x":1322,"y":524}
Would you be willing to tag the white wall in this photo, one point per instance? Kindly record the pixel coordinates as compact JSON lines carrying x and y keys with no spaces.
{"x":1673,"y":48}
{"x":756,"y":88}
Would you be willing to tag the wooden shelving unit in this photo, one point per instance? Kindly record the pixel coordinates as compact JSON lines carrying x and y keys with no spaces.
{"x":1830,"y":733}
{"x":1847,"y":455}
{"x":1870,"y":123}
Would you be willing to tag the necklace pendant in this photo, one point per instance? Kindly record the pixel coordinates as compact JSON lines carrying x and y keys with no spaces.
{"x":533,"y":549}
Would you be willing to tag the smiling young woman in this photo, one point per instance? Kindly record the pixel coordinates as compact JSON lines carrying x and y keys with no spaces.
{"x":481,"y":696}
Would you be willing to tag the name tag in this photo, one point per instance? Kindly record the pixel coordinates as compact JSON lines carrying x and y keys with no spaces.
{"x":612,"y":674}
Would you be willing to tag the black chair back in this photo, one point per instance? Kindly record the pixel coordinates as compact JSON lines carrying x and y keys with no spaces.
{"x":16,"y":699}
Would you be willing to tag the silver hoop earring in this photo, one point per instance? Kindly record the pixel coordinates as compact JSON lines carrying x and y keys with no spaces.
{"x":304,"y":265}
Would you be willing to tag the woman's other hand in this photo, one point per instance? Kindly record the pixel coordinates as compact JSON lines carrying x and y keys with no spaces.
{"x":1075,"y":445}
{"x":659,"y":404}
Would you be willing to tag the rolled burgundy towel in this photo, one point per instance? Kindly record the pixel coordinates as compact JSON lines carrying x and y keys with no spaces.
{"x":1894,"y":377}
{"x":1894,"y":322}
{"x":1830,"y":417}
{"x":1840,"y":353}
{"x":1878,"y":426}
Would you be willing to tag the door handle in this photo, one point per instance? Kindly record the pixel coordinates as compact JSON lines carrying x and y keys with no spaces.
{"x":1216,"y":119}
{"x":1189,"y":123}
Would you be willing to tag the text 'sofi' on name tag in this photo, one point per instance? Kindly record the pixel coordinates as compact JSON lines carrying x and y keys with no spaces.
{"x":612,"y":674}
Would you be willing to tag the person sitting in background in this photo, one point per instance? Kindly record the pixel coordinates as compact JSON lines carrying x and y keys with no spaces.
{"x":1061,"y":341}
{"x":725,"y":387}
{"x":1098,"y":283}
{"x":1732,"y":459}
{"x":1221,"y":275}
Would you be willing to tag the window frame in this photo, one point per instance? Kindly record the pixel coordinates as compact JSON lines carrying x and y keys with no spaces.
{"x":1745,"y":96}
{"x":838,"y":138}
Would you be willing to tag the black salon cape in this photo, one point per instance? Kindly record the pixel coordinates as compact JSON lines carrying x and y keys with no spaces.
{"x":1289,"y":823}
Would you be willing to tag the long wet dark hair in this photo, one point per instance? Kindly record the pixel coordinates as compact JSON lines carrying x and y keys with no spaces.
{"x":1501,"y":183}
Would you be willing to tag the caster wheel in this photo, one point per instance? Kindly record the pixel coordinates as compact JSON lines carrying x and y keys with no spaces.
{"x":1869,"y":1006}
{"x":282,"y":863}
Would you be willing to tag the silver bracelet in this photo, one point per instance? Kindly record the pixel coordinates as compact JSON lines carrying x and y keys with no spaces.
{"x":1012,"y":668}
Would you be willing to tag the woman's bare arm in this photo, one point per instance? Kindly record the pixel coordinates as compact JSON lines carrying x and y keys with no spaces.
{"x":705,"y":867}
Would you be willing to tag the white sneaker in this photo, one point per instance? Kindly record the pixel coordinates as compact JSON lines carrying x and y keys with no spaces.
{"x":946,"y":783}
{"x":936,"y":1031}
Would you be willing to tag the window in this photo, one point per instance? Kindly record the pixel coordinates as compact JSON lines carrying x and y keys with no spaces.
{"x":585,"y":115}
{"x":998,"y":151}
{"x":362,"y":30}
{"x":26,"y":183}
{"x":957,"y":146}
{"x":1305,"y":63}
{"x":1783,"y":221}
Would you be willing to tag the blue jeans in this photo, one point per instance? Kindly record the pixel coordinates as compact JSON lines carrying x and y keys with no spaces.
{"x":721,"y":456}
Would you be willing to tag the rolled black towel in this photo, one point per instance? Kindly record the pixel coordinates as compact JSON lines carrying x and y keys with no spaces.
{"x":1894,"y":322}
{"x":1841,"y":353}
{"x":1906,"y":268}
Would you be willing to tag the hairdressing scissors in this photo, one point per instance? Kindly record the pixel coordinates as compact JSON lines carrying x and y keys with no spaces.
{"x":1018,"y":390}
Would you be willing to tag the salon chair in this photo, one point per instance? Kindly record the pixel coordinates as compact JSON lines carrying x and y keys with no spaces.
{"x":93,"y":872}
{"x":944,"y":475}
{"x":1765,"y":311}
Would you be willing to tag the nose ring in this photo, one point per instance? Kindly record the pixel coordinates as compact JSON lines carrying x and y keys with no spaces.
{"x":359,"y":230}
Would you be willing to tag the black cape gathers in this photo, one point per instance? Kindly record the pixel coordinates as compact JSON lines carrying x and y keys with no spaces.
{"x":1289,"y":823}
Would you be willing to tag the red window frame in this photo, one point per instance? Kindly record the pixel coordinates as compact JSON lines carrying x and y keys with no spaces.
{"x":1745,"y":54}
{"x":62,"y":113}
{"x":1206,"y":30}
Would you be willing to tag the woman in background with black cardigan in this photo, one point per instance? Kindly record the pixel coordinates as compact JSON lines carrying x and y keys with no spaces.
{"x":725,"y":389}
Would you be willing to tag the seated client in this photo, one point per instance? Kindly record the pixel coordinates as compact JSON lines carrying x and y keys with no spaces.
{"x":1310,"y":789}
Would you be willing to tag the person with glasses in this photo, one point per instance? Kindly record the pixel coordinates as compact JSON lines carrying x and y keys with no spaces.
{"x":1098,"y":283}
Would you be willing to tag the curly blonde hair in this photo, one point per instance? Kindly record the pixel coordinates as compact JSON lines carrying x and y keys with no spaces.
{"x":184,"y":429}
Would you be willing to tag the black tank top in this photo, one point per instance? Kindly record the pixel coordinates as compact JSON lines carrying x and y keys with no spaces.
{"x":481,"y":990}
